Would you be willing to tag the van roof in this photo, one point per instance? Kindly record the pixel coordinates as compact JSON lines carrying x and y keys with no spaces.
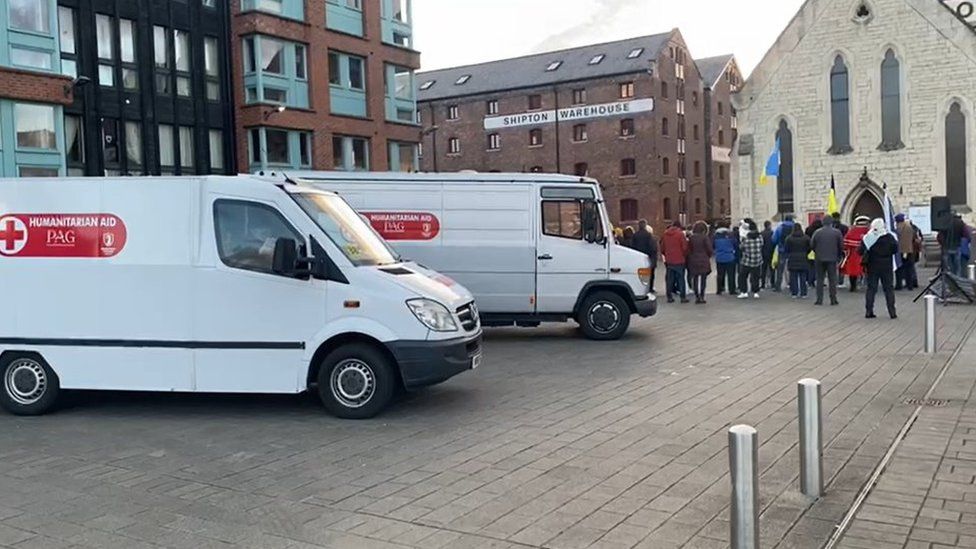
{"x":404,"y":177}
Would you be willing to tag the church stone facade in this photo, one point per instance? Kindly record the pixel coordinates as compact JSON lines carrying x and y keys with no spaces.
{"x":871,"y":92}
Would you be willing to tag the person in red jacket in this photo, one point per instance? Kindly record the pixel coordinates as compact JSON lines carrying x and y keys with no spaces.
{"x":851,"y":264}
{"x":674,"y":248}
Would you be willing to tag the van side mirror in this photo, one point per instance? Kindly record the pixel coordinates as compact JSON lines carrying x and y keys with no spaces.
{"x":591,"y":221}
{"x":286,"y":262}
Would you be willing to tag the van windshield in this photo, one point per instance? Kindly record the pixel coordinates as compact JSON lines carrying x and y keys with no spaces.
{"x":346,"y":229}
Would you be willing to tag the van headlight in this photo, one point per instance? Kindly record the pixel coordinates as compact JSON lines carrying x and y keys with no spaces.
{"x":432,"y":314}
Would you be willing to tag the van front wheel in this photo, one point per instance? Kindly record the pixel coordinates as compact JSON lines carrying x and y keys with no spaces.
{"x":604,"y":316}
{"x":29,"y":386}
{"x":356,"y":381}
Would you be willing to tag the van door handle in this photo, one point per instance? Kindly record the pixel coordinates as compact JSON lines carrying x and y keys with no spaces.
{"x":615,"y":270}
{"x":545,"y":257}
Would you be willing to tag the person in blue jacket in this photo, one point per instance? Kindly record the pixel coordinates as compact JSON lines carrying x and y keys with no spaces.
{"x":726,"y":255}
{"x":780,"y":235}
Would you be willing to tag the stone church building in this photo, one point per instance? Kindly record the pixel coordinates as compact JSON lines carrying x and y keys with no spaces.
{"x":872,"y":92}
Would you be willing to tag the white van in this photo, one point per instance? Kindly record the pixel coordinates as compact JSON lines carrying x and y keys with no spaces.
{"x":215,"y":285}
{"x":530,"y":247}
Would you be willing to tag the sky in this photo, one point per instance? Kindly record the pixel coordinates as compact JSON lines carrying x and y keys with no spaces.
{"x":461,"y":32}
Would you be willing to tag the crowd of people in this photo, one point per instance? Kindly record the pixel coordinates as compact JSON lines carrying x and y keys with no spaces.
{"x":826,"y":256}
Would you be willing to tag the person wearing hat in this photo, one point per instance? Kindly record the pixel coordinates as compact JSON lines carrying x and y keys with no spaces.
{"x":906,"y":277}
{"x":851,"y":264}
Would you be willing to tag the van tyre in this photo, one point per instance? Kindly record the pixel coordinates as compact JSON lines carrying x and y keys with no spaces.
{"x":356,"y":381}
{"x":28,"y":386}
{"x":604,"y":316}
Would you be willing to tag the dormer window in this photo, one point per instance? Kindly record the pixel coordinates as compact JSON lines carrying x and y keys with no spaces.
{"x":596,"y":59}
{"x":635,"y":53}
{"x":462,"y":80}
{"x":427,"y":85}
{"x":553,"y":66}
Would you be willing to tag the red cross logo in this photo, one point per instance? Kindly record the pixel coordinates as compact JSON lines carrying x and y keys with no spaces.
{"x":13,"y":235}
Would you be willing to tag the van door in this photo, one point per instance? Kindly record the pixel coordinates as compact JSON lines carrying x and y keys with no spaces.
{"x":258,"y":320}
{"x":568,"y":254}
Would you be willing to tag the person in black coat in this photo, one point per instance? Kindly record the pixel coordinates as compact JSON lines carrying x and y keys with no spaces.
{"x":878,"y":250}
{"x":767,"y":253}
{"x":643,"y":241}
{"x":798,"y":252}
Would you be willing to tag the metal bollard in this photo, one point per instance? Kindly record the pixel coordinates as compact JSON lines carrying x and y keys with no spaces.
{"x":744,"y":467}
{"x":811,"y":438}
{"x":930,"y":343}
{"x":971,"y":271}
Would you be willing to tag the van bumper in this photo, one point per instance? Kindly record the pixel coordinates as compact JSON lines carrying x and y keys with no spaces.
{"x":424,"y":363}
{"x":646,"y":306}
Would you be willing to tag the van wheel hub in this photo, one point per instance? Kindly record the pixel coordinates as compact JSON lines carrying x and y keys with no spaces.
{"x":604,"y":317}
{"x":353,"y":383}
{"x":25,"y":381}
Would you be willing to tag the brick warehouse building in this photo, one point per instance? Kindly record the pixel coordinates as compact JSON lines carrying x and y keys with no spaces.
{"x":344,"y":72}
{"x":630,"y":113}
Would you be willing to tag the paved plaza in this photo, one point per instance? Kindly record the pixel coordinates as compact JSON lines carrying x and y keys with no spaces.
{"x":554,"y":442}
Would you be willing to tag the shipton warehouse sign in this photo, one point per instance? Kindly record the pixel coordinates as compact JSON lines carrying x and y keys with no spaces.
{"x":585,"y":112}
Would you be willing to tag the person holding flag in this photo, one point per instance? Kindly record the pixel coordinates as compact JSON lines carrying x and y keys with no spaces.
{"x":879,"y":249}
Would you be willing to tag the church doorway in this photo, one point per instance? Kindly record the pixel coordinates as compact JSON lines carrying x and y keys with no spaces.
{"x":867,"y":205}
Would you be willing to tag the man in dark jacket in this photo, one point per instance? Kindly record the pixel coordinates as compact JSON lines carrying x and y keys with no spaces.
{"x":644,"y":242}
{"x":837,"y":223}
{"x":767,"y":253}
{"x":726,"y":250}
{"x":828,"y":249}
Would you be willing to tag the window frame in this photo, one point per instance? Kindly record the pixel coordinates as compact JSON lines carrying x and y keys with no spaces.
{"x":561,"y":201}
{"x":300,"y":240}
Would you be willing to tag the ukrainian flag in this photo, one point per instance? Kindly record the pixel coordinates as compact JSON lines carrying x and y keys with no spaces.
{"x":772,"y":165}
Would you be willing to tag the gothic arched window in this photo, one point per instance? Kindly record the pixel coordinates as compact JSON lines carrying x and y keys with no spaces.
{"x":840,"y":108}
{"x":890,"y":103}
{"x":784,"y":183}
{"x":955,"y":137}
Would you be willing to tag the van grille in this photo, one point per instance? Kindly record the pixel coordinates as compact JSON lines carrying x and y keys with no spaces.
{"x":468,"y":315}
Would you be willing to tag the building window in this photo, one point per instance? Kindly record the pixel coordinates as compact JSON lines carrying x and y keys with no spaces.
{"x":581,"y":169}
{"x":890,"y":103}
{"x":275,"y":147}
{"x":535,"y":102}
{"x":350,"y":153}
{"x":347,"y":84}
{"x":698,"y":205}
{"x":635,"y":53}
{"x":694,"y":98}
{"x":344,"y":16}
{"x":695,"y":131}
{"x":216,"y":142}
{"x":401,"y":105}
{"x":721,"y":208}
{"x":956,"y":162}
{"x":720,"y":108}
{"x":628,"y":209}
{"x":626,"y":90}
{"x":452,"y":112}
{"x":34,"y":126}
{"x":106,"y":53}
{"x":667,"y":208}
{"x":596,"y":59}
{"x":627,"y":127}
{"x":535,"y":169}
{"x":133,"y":148}
{"x":697,"y":168}
{"x":535,"y":138}
{"x":553,"y":66}
{"x":665,"y":126}
{"x":67,"y":41}
{"x":784,"y":183}
{"x":454,"y":146}
{"x":167,"y":148}
{"x":666,"y":166}
{"x":628,"y":167}
{"x":74,"y":144}
{"x":494,"y":142}
{"x":840,"y":115}
{"x":579,"y":133}
{"x":211,"y":63}
{"x":462,"y":80}
{"x":721,"y":137}
{"x":664,"y":90}
{"x":403,"y":156}
{"x":30,"y":15}
{"x":721,"y":172}
{"x":491,"y":106}
{"x":173,"y":155}
{"x":579,"y":96}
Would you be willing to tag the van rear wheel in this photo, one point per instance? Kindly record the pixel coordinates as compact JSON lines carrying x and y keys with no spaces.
{"x":29,"y":386}
{"x":604,"y":316}
{"x":356,"y":381}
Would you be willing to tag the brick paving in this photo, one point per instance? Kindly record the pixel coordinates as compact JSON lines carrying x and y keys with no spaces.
{"x":555,"y":442}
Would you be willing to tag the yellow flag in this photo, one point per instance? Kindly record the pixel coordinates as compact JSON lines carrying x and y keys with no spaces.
{"x":832,"y":206}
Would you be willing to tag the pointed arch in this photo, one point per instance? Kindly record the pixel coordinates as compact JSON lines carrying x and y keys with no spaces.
{"x":840,"y":107}
{"x":955,"y":154}
{"x":891,"y":102}
{"x":866,"y":198}
{"x":785,"y":198}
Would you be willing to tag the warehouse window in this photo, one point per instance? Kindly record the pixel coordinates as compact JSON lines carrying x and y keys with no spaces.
{"x":553,"y":66}
{"x":627,"y":127}
{"x":491,"y":106}
{"x":462,"y":80}
{"x":452,"y":112}
{"x":666,"y":166}
{"x":494,"y":142}
{"x":666,"y":203}
{"x":635,"y":53}
{"x":535,"y":102}
{"x":535,"y":138}
{"x":626,"y":90}
{"x":454,"y":145}
{"x":581,"y":169}
{"x":579,"y":96}
{"x":579,"y":133}
{"x":596,"y":59}
{"x":628,"y":167}
{"x":628,"y":209}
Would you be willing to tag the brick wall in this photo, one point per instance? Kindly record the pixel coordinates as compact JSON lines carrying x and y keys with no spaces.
{"x":33,"y":86}
{"x":318,"y":118}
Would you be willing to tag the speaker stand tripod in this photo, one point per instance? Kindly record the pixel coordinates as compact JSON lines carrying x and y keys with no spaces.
{"x":944,"y":286}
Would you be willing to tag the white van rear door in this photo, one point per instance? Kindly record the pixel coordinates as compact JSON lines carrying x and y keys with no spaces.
{"x":566,"y":262}
{"x":268,"y":316}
